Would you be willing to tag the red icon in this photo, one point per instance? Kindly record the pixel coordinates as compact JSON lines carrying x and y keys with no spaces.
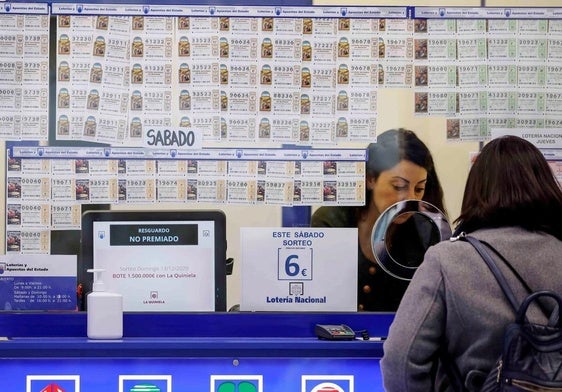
{"x":52,"y":388}
{"x":327,"y":387}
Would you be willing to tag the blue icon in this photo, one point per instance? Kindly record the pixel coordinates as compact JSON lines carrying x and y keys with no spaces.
{"x":101,"y":234}
{"x":80,"y":8}
{"x":239,"y":153}
{"x":441,"y":11}
{"x":507,"y":12}
{"x":8,"y":7}
{"x":343,"y":11}
{"x":277,"y":11}
{"x":212,"y":10}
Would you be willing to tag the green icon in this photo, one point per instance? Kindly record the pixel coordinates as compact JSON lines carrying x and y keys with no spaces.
{"x":243,"y":386}
{"x":246,"y":386}
{"x":145,"y":388}
{"x":227,"y":387}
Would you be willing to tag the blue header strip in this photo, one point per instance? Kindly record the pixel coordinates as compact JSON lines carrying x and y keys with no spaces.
{"x":204,"y":8}
{"x":278,"y":8}
{"x":486,"y":13}
{"x":248,"y":9}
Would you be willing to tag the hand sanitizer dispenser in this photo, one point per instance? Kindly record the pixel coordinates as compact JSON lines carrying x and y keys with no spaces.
{"x":105,"y":311}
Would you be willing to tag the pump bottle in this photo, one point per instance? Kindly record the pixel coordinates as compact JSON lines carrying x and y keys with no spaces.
{"x":104,"y":311}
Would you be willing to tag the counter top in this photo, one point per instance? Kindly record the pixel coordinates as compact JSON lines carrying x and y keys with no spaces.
{"x":187,"y":347}
{"x":228,"y":334}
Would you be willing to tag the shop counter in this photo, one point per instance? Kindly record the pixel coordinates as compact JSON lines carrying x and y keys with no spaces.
{"x":217,"y":352}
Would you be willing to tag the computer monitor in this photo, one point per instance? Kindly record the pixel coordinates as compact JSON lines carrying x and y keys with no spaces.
{"x":161,"y":261}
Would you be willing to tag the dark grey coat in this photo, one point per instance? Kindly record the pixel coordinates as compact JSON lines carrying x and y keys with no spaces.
{"x":454,"y":297}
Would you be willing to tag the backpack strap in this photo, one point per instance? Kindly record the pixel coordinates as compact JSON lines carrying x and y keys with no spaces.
{"x":511,"y":268}
{"x":494,"y":268}
{"x":554,"y":321}
{"x":481,"y":249}
{"x":449,"y":366}
{"x":539,"y":303}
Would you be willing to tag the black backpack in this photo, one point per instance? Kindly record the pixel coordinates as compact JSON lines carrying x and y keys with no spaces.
{"x":532,"y":353}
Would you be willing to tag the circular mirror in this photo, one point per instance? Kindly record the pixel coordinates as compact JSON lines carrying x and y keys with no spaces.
{"x":404,"y":232}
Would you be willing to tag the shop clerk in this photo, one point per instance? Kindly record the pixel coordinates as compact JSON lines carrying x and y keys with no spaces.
{"x":399,"y":167}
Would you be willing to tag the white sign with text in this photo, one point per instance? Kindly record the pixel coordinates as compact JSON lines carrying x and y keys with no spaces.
{"x":175,"y":138}
{"x":299,"y":269}
{"x":38,"y":282}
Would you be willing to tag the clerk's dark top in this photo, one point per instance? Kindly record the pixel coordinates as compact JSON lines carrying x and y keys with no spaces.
{"x":376,"y":290}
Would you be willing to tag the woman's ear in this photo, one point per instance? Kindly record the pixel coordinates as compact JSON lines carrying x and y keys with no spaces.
{"x":371,"y":181}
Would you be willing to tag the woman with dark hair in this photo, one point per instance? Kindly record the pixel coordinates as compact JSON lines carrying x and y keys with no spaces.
{"x":399,"y":167}
{"x":453,"y":307}
{"x":516,"y":187}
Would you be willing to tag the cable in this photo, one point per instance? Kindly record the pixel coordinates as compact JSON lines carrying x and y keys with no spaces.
{"x":364,"y":334}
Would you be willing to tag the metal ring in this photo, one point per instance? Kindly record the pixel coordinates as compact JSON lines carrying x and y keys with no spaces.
{"x":403,"y":233}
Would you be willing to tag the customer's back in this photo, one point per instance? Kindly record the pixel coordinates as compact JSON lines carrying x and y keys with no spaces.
{"x":513,"y":202}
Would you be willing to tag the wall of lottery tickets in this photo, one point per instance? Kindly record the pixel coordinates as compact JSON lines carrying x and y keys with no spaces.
{"x":96,"y":75}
